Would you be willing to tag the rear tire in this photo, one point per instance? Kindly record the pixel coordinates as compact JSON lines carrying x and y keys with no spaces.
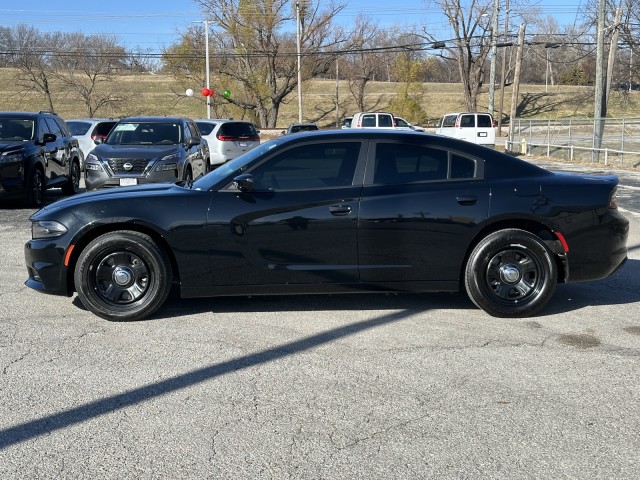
{"x":122,"y":276}
{"x":73,"y":184}
{"x":511,"y":273}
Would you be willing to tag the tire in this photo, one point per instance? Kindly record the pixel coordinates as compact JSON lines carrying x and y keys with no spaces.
{"x":123,"y":276}
{"x":188,"y":175}
{"x":511,"y":273}
{"x":35,"y":188}
{"x":73,"y":184}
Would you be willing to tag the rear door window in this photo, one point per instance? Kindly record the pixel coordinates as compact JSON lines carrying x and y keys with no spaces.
{"x":485,"y":121}
{"x":467,"y":121}
{"x":385,"y":121}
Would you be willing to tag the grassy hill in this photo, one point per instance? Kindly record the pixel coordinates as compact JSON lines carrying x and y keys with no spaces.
{"x":160,"y":95}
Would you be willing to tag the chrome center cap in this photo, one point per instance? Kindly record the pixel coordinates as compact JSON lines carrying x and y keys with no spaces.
{"x":509,"y":273}
{"x":122,"y":276}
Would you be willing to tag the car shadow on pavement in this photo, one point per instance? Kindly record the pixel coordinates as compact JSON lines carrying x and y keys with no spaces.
{"x":72,"y":416}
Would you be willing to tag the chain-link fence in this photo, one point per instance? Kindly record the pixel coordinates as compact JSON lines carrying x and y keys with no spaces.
{"x":572,"y":139}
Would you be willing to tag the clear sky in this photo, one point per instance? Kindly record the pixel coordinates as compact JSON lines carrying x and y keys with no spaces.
{"x":154,"y":24}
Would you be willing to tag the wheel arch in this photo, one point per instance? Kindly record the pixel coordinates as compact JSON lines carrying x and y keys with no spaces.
{"x":540,"y":230}
{"x":96,"y":232}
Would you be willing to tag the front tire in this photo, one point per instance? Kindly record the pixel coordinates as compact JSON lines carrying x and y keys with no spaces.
{"x":511,"y":273}
{"x":122,"y":276}
{"x":36,"y":188}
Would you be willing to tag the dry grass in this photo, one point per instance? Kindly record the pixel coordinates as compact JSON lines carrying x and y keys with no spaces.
{"x":160,"y":95}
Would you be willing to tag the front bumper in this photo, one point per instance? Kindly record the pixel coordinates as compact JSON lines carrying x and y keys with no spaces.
{"x":45,"y":267}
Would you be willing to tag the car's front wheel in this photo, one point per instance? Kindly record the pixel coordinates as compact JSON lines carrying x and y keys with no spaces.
{"x":35,"y":188}
{"x":511,"y":273}
{"x":123,"y":275}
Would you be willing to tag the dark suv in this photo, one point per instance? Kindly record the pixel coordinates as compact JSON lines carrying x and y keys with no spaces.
{"x":142,"y":150}
{"x":37,"y":152}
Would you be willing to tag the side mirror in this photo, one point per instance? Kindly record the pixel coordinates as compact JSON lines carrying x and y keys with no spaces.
{"x":48,"y":138}
{"x":97,"y":140}
{"x":244,"y":182}
{"x":193,"y":141}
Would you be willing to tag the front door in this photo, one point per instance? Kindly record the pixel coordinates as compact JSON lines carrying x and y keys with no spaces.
{"x":297,"y":226}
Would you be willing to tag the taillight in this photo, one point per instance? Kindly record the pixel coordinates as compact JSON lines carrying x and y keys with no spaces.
{"x":101,"y":137}
{"x":613,"y":199}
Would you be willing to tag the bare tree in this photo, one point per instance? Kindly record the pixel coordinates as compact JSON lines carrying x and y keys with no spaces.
{"x":256,"y":52}
{"x":32,"y":56}
{"x":87,"y":67}
{"x":361,"y":63}
{"x":471,"y":44}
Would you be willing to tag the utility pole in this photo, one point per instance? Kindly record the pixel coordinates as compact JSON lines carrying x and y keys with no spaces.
{"x":503,"y":81}
{"x":600,"y":102}
{"x":516,"y":85}
{"x":494,"y":52}
{"x":206,"y":49}
{"x":299,"y":61}
{"x":613,"y":47}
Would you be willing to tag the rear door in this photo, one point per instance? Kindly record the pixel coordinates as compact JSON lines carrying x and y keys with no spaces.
{"x":420,"y":205}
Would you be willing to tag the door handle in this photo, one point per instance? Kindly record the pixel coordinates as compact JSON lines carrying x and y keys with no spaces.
{"x":339,"y":210}
{"x":467,"y":199}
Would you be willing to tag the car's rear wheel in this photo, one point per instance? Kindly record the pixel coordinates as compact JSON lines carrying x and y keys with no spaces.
{"x":73,"y":184}
{"x":35,"y":188}
{"x":122,"y":276}
{"x":511,"y":273}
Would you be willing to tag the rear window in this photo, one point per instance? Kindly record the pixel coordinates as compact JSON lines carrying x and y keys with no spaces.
{"x":238,"y":129}
{"x":467,"y":121}
{"x":485,"y":121}
{"x":205,"y":127}
{"x":79,"y":128}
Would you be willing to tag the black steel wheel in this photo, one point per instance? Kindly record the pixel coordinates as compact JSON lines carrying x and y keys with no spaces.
{"x":36,"y":188}
{"x":511,"y":273}
{"x":73,"y":184}
{"x":122,"y":276}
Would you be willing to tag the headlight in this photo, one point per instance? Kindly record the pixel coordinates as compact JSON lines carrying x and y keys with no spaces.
{"x":92,"y":157}
{"x":11,"y":158}
{"x":92,"y":166}
{"x":173,"y":156}
{"x":47,"y":229}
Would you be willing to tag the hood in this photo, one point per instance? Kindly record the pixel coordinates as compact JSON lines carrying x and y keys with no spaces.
{"x":9,"y":146}
{"x":128,"y":194}
{"x":134,"y":152}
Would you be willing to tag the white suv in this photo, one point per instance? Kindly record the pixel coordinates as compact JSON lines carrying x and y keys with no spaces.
{"x":470,"y":126}
{"x":227,"y":138}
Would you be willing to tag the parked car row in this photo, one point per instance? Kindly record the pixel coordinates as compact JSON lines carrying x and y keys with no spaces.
{"x":40,"y":151}
{"x":475,"y":127}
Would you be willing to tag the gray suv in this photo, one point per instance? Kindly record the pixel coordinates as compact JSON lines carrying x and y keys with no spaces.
{"x":142,"y":150}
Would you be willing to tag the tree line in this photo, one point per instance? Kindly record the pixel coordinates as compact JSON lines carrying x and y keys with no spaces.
{"x":253,"y":53}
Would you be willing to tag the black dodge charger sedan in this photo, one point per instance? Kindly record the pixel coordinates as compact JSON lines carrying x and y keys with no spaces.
{"x":335,"y":211}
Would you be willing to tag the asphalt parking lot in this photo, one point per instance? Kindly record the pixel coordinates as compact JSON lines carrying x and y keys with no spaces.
{"x":320,"y":387}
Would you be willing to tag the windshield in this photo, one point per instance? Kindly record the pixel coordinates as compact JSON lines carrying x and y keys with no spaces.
{"x":230,"y":169}
{"x":16,"y":129}
{"x":145,"y":133}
